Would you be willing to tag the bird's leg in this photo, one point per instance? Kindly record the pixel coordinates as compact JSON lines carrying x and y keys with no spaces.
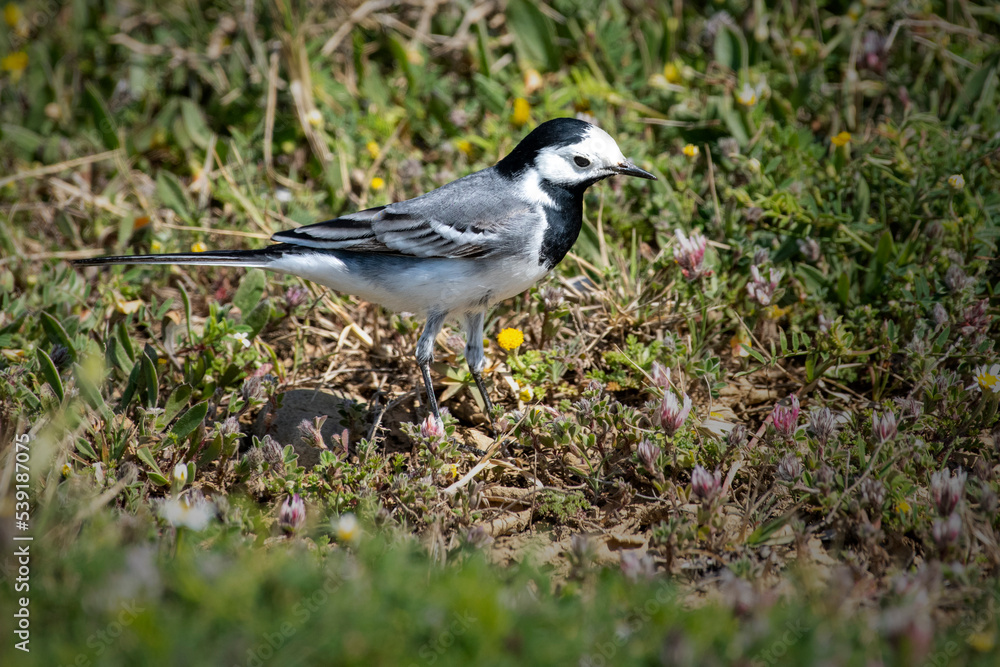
{"x":425,"y":369}
{"x":476,"y":357}
{"x":425,"y":355}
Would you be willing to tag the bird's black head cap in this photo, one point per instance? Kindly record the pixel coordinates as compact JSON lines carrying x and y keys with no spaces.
{"x":556,"y":133}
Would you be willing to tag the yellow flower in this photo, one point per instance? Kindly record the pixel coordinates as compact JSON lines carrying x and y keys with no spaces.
{"x":737,"y":342}
{"x":841,"y":139}
{"x":776,"y":312}
{"x":510,"y":339}
{"x":15,"y":63}
{"x":12,"y":15}
{"x":691,"y":150}
{"x":127,"y":307}
{"x":526,"y":394}
{"x":672,"y":73}
{"x":373,"y":149}
{"x":982,"y":641}
{"x":453,"y":470}
{"x":522,"y":112}
{"x":465,"y":146}
{"x":155,"y":246}
{"x":378,"y":183}
{"x":198,"y":246}
{"x":902,"y":507}
{"x":66,"y":469}
{"x":956,"y":181}
{"x":314,"y":117}
{"x":414,"y":57}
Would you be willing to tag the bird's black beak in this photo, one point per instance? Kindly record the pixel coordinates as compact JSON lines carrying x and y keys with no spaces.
{"x":628,"y":169}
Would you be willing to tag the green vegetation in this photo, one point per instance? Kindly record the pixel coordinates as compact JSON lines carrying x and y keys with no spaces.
{"x":753,"y":418}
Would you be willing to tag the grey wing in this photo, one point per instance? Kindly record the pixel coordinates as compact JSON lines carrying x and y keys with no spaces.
{"x":466,"y":218}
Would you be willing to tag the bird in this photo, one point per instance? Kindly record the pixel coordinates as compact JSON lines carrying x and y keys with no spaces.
{"x":454,"y":251}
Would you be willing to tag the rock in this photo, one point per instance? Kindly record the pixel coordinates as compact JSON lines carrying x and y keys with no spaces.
{"x":297,"y":405}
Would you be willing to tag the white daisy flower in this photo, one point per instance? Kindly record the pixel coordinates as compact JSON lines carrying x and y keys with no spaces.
{"x":191,"y":511}
{"x":180,"y":474}
{"x":348,"y":529}
{"x":747,"y":96}
{"x":987,"y":378}
{"x":242,"y":338}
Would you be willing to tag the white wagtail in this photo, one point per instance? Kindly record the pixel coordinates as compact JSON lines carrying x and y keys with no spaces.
{"x":456,"y":250}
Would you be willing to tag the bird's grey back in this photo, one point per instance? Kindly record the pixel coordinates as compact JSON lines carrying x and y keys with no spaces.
{"x":479,"y":215}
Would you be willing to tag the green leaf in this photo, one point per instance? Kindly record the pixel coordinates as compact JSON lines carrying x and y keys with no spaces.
{"x":884,"y":251}
{"x":187,"y":311}
{"x":84,"y":447}
{"x":194,"y":123}
{"x":150,"y":383}
{"x":190,"y":420}
{"x":728,"y":49}
{"x":973,"y":89}
{"x":173,"y":194}
{"x":249,"y":292}
{"x":14,"y":135}
{"x":734,"y":123}
{"x":130,"y":387}
{"x":863,"y":198}
{"x":118,"y":356}
{"x":50,"y":373}
{"x":90,"y":392}
{"x":399,"y":53}
{"x":532,"y":31}
{"x":146,"y":456}
{"x":126,"y":342}
{"x":763,"y":533}
{"x":754,"y":353}
{"x":178,"y":398}
{"x":57,"y":334}
{"x":102,"y":118}
{"x":492,"y":94}
{"x":229,"y":375}
{"x":157,"y":478}
{"x":258,"y":318}
{"x":844,"y":288}
{"x":212,"y":451}
{"x":483,"y":51}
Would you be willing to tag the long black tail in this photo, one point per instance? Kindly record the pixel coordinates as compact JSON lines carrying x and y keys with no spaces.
{"x":249,"y":258}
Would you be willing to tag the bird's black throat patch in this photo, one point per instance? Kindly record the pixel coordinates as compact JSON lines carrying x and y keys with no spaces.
{"x":563,"y":220}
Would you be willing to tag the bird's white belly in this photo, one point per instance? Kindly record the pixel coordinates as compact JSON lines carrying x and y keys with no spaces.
{"x":418,"y":285}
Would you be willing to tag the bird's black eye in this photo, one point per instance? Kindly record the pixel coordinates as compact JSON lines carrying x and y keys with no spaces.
{"x":581,"y":161}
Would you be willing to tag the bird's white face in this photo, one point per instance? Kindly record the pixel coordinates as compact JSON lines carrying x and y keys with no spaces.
{"x":594,"y":157}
